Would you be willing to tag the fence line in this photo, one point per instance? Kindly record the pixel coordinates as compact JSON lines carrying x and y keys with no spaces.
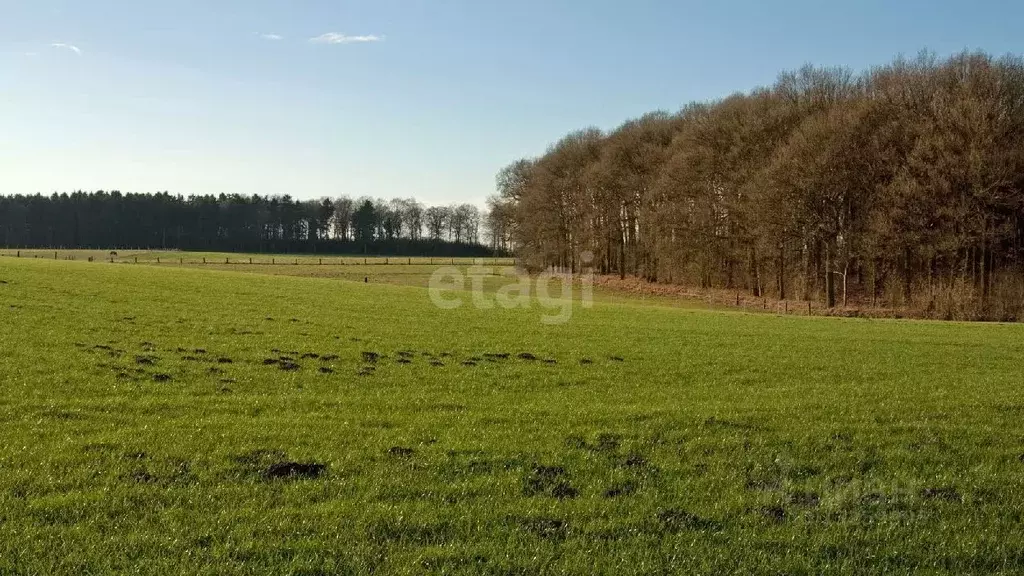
{"x":274,"y":261}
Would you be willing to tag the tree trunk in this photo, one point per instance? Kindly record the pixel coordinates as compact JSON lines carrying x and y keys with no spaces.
{"x":622,"y":260}
{"x":830,"y":285}
{"x":782,"y":272}
{"x":876,"y":286}
{"x":907,"y":280}
{"x":846,"y":275}
{"x":755,"y":272}
{"x":808,"y":267}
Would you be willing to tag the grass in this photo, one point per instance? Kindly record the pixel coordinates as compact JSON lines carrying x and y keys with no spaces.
{"x":157,"y":419}
{"x":406,"y":271}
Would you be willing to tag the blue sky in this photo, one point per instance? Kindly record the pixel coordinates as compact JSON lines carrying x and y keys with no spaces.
{"x":424,"y":98}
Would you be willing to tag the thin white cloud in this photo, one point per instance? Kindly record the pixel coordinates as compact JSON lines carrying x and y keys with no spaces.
{"x":271,"y":36}
{"x":335,"y":38}
{"x":31,"y":54}
{"x":71,"y":47}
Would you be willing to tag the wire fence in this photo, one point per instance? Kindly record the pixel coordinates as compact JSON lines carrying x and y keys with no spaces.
{"x":246,"y":260}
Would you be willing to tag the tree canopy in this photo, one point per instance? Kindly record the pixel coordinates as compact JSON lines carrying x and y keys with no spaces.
{"x":239,"y":223}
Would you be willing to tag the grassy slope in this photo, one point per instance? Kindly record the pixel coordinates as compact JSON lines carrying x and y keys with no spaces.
{"x":722,"y":440}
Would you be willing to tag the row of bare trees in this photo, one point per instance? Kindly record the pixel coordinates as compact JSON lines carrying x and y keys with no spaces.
{"x":400,"y":218}
{"x":900,"y":187}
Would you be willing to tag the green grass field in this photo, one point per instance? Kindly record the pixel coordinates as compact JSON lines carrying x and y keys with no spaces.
{"x":407,"y":271}
{"x":167,"y":419}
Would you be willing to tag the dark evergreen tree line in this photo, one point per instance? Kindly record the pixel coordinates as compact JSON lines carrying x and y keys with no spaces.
{"x":235,"y":223}
{"x":899,"y":187}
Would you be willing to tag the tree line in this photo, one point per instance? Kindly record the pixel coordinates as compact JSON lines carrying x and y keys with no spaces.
{"x":901,"y":187}
{"x":237,"y":223}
